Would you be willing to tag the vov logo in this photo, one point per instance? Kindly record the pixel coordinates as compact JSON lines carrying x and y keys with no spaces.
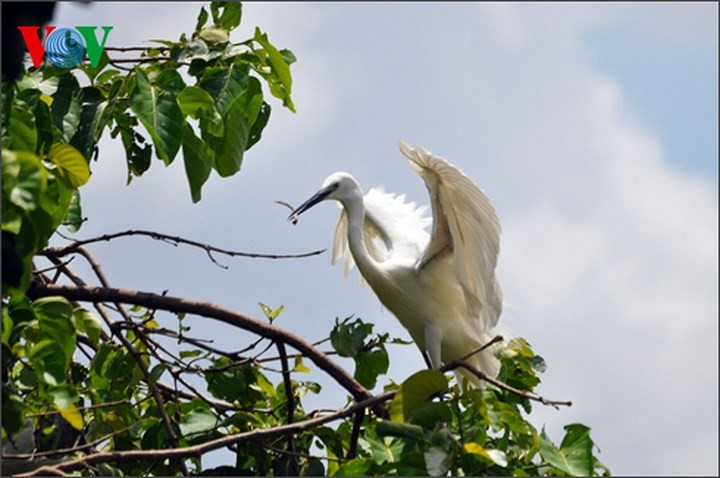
{"x":64,"y":47}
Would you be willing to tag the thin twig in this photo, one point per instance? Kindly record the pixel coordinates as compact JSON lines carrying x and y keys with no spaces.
{"x":280,"y":451}
{"x":501,"y":385}
{"x":496,"y":339}
{"x":293,"y":216}
{"x":135,"y":48}
{"x":54,"y":267}
{"x":67,"y":451}
{"x":175,"y":240}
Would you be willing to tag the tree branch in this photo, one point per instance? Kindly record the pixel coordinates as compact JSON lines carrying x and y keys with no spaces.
{"x":206,"y":309}
{"x":293,"y":467}
{"x":197,"y":450}
{"x":174,"y":240}
{"x":501,"y":385}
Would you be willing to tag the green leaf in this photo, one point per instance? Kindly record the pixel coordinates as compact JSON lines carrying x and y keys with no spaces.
{"x":381,"y":450}
{"x":201,"y":19}
{"x":33,"y":80}
{"x":198,"y":421}
{"x":161,"y":116}
{"x":56,"y":200}
{"x":98,"y":367}
{"x":414,"y":391}
{"x":574,"y":456}
{"x":156,"y":373}
{"x":520,"y":346}
{"x":369,"y":364}
{"x":107,"y":76}
{"x":229,"y":160}
{"x":396,"y":429}
{"x":357,"y":467}
{"x":7,"y":325}
{"x":299,"y":366}
{"x":55,"y":318}
{"x":170,"y":80}
{"x":269,"y":313}
{"x":233,"y":384}
{"x":288,"y":56}
{"x":93,"y":119}
{"x":13,"y":415}
{"x":429,"y":414}
{"x":22,"y":135}
{"x":137,"y":152}
{"x":224,"y":85}
{"x":281,"y":81}
{"x":577,"y":446}
{"x":195,"y":102}
{"x":89,"y":323}
{"x":437,"y":461}
{"x":349,"y":338}
{"x":70,"y":163}
{"x":496,"y":456}
{"x":43,"y":125}
{"x":73,"y":219}
{"x":190,"y":353}
{"x":49,"y":361}
{"x":231,"y":15}
{"x":64,"y":399}
{"x":260,"y":122}
{"x":198,"y":158}
{"x":24,"y":179}
{"x":67,"y":106}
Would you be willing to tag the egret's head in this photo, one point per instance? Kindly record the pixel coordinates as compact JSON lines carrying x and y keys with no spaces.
{"x":338,"y":186}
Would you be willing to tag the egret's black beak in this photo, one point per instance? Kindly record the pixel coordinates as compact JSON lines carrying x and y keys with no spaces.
{"x":318,"y":197}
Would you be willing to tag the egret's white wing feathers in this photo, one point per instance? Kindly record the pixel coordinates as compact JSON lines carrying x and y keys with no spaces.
{"x":465,"y":223}
{"x":393,"y":228}
{"x":441,"y":286}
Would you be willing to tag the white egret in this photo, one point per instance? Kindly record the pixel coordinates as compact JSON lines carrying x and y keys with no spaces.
{"x":441,"y":286}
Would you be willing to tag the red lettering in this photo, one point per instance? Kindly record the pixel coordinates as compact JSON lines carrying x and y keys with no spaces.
{"x":32,"y":41}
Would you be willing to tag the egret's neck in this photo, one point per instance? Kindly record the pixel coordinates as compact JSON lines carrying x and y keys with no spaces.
{"x":355,"y":210}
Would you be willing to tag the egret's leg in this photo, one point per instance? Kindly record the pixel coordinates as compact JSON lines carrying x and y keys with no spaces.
{"x":426,"y":356}
{"x":433,"y":344}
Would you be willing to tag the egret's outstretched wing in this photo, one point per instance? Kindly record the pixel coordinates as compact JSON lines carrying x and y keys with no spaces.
{"x":465,"y":224}
{"x":393,"y":228}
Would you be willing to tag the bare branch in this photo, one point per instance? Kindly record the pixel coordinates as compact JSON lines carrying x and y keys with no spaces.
{"x":496,"y":339}
{"x":503,"y":386}
{"x":66,"y":451}
{"x":136,"y":48}
{"x":175,"y":240}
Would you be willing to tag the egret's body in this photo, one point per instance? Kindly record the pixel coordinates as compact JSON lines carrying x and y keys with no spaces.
{"x":441,"y":286}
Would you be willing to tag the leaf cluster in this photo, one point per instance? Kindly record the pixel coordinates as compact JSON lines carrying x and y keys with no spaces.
{"x":438,"y":427}
{"x":51,"y":125}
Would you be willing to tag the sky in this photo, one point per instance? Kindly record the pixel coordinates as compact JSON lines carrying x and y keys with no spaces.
{"x":591,"y":126}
